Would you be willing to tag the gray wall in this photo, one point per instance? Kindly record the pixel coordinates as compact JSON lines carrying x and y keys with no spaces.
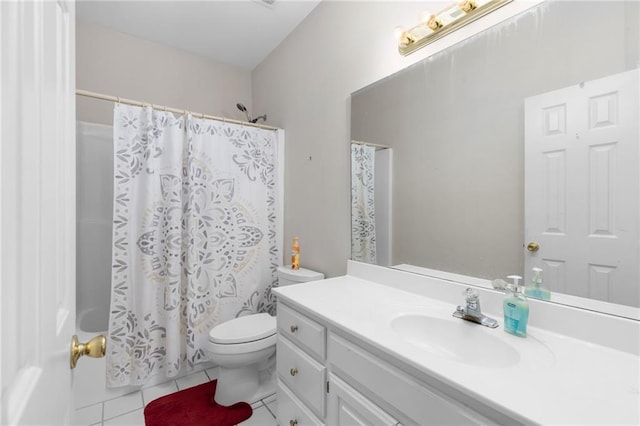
{"x":121,"y":65}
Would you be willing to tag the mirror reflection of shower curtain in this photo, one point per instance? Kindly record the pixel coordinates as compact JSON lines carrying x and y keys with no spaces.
{"x":195,"y":237}
{"x":363,"y":220}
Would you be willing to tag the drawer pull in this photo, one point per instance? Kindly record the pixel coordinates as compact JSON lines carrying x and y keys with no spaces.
{"x":293,"y":371}
{"x":294,"y":328}
{"x":293,"y":423}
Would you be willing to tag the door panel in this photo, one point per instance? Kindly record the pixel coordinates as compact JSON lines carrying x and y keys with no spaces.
{"x":37,"y":163}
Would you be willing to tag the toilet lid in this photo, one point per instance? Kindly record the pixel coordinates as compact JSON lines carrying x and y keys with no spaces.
{"x":244,"y":329}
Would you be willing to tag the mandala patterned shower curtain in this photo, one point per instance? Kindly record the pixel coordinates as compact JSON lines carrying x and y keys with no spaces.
{"x":194,"y":237}
{"x":363,"y":220}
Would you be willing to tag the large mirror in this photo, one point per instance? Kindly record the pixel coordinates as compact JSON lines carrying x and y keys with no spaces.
{"x":518,"y":149}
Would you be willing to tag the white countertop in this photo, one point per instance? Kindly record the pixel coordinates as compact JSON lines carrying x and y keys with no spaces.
{"x":556,"y":380}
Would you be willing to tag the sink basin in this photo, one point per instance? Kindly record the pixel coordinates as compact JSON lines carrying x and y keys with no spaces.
{"x":456,"y":340}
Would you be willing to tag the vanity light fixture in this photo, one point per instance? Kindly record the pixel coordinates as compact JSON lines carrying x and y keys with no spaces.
{"x":435,"y":26}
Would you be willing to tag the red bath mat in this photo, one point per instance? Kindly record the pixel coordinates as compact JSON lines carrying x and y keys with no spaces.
{"x":194,"y":406}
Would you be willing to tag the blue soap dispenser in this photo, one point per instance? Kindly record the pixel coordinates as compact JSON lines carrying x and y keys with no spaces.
{"x":536,"y":288}
{"x":516,"y":309}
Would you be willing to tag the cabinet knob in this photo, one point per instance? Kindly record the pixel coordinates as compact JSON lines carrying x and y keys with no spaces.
{"x":293,"y":371}
{"x":294,"y":328}
{"x":293,"y":423}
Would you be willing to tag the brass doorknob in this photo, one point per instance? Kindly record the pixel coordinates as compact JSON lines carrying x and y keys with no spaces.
{"x":533,"y":247}
{"x":293,"y":423}
{"x":293,"y":371}
{"x":95,"y":348}
{"x":294,"y":328}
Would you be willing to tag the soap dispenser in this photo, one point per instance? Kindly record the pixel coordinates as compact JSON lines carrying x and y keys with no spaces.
{"x":516,"y":309}
{"x":536,"y":288}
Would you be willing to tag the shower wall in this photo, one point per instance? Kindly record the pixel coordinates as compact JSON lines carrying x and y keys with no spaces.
{"x":94,"y":209}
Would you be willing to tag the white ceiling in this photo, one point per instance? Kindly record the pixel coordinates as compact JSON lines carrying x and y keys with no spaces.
{"x":236,"y":32}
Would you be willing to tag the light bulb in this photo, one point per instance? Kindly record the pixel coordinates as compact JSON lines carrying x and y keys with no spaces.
{"x":425,"y":15}
{"x":398,"y":31}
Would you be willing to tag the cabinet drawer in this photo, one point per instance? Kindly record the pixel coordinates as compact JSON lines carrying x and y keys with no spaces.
{"x":292,"y":412}
{"x":304,"y":375}
{"x":396,"y":387}
{"x":302,"y":330}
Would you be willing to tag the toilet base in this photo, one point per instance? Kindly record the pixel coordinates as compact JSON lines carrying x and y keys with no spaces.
{"x":246,"y":384}
{"x":266,"y":386}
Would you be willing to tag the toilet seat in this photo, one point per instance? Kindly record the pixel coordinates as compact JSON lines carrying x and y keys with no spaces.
{"x":242,"y":348}
{"x":249,"y":333}
{"x":244,"y":329}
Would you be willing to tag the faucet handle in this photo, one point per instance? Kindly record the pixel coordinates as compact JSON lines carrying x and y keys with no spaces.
{"x":471,"y":294}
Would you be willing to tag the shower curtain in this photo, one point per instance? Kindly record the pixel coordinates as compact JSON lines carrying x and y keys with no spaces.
{"x":363,"y":221}
{"x":194,"y":237}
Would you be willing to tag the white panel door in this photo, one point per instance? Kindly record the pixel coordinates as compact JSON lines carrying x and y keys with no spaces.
{"x":582,"y":188}
{"x":37,"y":207}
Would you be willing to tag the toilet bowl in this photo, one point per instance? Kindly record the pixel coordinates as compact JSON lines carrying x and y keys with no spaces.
{"x":244,"y":349}
{"x":239,"y":347}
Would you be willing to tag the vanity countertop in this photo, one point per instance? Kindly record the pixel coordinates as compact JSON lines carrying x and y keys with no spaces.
{"x":554,"y":379}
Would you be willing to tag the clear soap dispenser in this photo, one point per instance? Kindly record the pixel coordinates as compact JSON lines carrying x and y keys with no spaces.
{"x":516,"y":309}
{"x":536,"y":288}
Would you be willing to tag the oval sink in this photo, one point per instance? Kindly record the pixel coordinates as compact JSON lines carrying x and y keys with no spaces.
{"x":457,"y":340}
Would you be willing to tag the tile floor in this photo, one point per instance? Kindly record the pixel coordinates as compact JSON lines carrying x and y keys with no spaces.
{"x":127,"y":410}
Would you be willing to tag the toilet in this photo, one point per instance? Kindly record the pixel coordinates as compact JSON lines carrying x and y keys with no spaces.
{"x":244,"y":349}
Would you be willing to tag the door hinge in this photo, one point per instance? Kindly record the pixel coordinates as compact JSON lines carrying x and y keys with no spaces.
{"x":327,"y":386}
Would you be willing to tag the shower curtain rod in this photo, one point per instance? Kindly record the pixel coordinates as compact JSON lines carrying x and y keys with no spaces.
{"x":375,"y":145}
{"x":120,"y":100}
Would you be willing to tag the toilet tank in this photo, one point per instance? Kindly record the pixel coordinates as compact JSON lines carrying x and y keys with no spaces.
{"x":288,"y":276}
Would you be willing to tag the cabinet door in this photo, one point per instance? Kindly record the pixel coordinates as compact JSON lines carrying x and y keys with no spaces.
{"x":347,"y":407}
{"x":419,"y":403}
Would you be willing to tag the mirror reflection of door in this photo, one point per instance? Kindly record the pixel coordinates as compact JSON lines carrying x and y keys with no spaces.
{"x":582,"y":188}
{"x":371,"y":203}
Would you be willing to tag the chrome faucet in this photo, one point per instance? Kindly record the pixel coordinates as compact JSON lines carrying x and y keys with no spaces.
{"x":472,"y":311}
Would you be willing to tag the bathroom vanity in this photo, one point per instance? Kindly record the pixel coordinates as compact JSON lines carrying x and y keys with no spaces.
{"x":379,"y":346}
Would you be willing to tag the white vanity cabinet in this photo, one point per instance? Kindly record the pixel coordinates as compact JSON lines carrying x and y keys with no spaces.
{"x":325,"y":376}
{"x":300,"y":364}
{"x":362,"y":366}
